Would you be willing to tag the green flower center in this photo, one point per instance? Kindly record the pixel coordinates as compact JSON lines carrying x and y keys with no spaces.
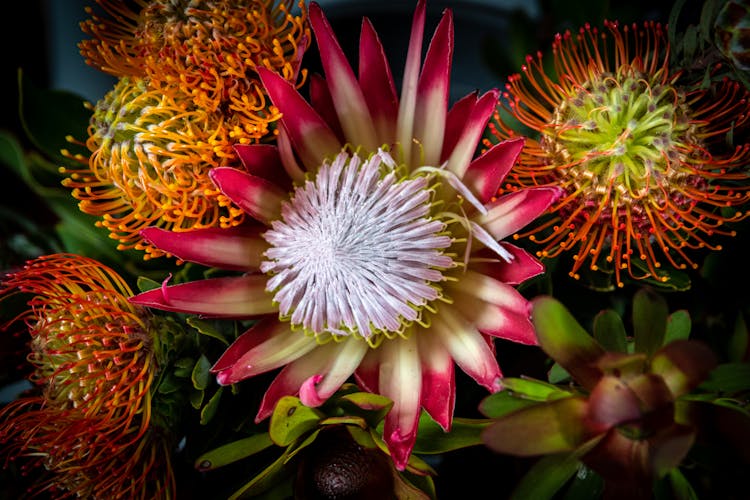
{"x":621,"y":137}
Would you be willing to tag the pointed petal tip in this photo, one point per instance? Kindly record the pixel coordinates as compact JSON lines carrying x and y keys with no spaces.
{"x":308,"y":393}
{"x":400,"y":446}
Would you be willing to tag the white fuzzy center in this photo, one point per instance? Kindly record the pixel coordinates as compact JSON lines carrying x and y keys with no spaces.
{"x":355,"y":250}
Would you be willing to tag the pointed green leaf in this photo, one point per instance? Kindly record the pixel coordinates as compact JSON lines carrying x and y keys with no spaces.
{"x":206,"y":328}
{"x":565,"y":340}
{"x":650,"y":313}
{"x":183,"y":367}
{"x":169,"y":384}
{"x":49,"y":116}
{"x":738,"y":342}
{"x":345,"y":420}
{"x":557,"y":374}
{"x":232,"y":452}
{"x":609,"y":331}
{"x":300,"y":445}
{"x":201,"y":376}
{"x":432,"y":439}
{"x":678,"y":326}
{"x":291,"y":419}
{"x":503,"y":402}
{"x":145,"y":284}
{"x":372,"y":407}
{"x":196,"y":398}
{"x":265,"y":480}
{"x":681,"y":488}
{"x":546,"y":477}
{"x":536,"y":390}
{"x":541,"y":429}
{"x":728,"y":378}
{"x":209,"y":411}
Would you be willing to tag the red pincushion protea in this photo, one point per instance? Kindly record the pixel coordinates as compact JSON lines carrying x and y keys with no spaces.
{"x":89,"y":424}
{"x":648,"y":178}
{"x":377,"y":251}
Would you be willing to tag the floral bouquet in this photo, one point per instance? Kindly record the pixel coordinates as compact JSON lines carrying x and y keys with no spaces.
{"x":269,"y":250}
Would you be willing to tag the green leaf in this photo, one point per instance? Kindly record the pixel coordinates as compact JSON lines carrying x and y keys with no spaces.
{"x":678,"y":327}
{"x":586,"y":484}
{"x":565,"y":340}
{"x":169,"y":384}
{"x":344,"y":420}
{"x":291,"y":419}
{"x":207,"y":328}
{"x":196,"y":398}
{"x":681,"y":488}
{"x":11,"y":154}
{"x":728,"y":378}
{"x":557,"y":374}
{"x":609,"y":331}
{"x":49,"y":116}
{"x":372,"y":407}
{"x":432,"y":439}
{"x":536,"y":390}
{"x":209,"y":411}
{"x":145,"y":284}
{"x":232,"y":452}
{"x":650,"y":313}
{"x":265,"y":480}
{"x":501,"y":403}
{"x":674,"y":15}
{"x":201,"y":375}
{"x":738,"y":343}
{"x":546,"y":477}
{"x":678,"y":281}
{"x":683,"y":365}
{"x":541,"y":429}
{"x":183,"y":367}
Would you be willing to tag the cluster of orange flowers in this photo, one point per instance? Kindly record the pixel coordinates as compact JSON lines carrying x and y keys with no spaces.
{"x":187,"y":93}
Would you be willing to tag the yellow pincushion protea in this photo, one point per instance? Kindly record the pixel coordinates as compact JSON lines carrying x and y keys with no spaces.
{"x":91,"y":427}
{"x":151,"y":155}
{"x":188,"y":91}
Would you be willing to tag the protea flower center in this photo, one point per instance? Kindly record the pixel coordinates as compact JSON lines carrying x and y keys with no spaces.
{"x":358,"y":250}
{"x":623,"y":137}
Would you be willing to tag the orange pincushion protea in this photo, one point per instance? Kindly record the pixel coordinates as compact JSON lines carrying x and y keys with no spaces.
{"x":209,"y":50}
{"x":188,"y":91}
{"x":90,"y":423}
{"x":151,"y":155}
{"x":643,"y":161}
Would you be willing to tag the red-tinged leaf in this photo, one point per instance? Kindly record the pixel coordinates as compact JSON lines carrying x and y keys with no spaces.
{"x":683,"y":364}
{"x":565,"y":340}
{"x":545,"y":428}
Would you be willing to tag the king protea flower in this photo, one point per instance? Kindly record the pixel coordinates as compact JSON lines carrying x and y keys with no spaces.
{"x":378,"y":253}
{"x":90,"y":421}
{"x":643,"y":160}
{"x":187,"y":92}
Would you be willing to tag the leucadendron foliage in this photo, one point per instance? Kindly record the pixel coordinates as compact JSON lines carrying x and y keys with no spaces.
{"x":625,"y":408}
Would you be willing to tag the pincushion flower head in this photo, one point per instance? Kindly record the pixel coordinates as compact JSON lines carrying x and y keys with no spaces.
{"x":209,"y":50}
{"x":648,"y":177}
{"x":377,"y":249}
{"x":187,"y":91}
{"x":91,"y":422}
